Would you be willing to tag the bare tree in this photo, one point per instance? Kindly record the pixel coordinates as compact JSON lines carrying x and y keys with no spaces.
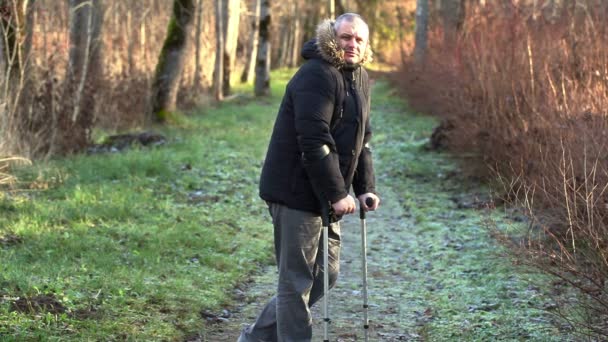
{"x":73,"y":125}
{"x":232,"y":14}
{"x":171,"y":61}
{"x":218,"y":73}
{"x":401,"y":34}
{"x":16,"y":30}
{"x":262,"y":69}
{"x":340,"y":8}
{"x":421,"y":38}
{"x":253,"y":49}
{"x":452,"y":13}
{"x":296,"y":37}
{"x":197,"y":43}
{"x":16,"y":26}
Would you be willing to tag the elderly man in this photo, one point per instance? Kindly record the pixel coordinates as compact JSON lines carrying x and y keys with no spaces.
{"x":318,"y":150}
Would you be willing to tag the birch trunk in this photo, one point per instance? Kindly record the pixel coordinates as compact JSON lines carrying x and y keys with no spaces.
{"x":232,"y":14}
{"x":218,"y":77}
{"x":249,"y":69}
{"x":262,"y":69}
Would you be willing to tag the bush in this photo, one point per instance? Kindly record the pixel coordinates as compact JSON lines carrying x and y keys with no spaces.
{"x":528,"y":93}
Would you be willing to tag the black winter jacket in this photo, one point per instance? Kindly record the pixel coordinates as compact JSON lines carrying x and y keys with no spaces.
{"x":325,"y":103}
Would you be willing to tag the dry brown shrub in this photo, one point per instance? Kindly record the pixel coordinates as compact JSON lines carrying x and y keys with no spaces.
{"x":6,"y":176}
{"x":132,"y":37}
{"x":528,"y":94}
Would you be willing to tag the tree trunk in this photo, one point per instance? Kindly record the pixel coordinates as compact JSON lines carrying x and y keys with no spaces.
{"x":83,"y":73}
{"x":421,"y":36}
{"x":130,"y":41}
{"x":218,"y":77}
{"x":332,"y":9}
{"x":401,"y":34}
{"x":171,"y":61}
{"x":253,"y":51}
{"x":197,"y":44}
{"x":143,"y":35}
{"x":297,"y":37}
{"x":452,"y":13}
{"x":340,"y":8}
{"x":232,"y":14}
{"x":262,"y":69}
{"x":285,"y":37}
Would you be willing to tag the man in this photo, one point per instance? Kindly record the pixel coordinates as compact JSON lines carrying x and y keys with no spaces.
{"x":318,"y":150}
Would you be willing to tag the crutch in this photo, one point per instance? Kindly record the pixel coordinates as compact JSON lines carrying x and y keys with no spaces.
{"x":369,"y":202}
{"x":325,"y":218}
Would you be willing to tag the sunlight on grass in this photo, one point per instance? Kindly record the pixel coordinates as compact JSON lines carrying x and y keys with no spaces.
{"x":463,"y":285}
{"x":135,"y":245}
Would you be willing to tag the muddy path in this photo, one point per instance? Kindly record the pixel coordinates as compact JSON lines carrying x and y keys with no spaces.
{"x":434,"y":271}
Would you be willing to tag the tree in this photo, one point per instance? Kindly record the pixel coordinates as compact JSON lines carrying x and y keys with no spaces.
{"x":452,"y":14}
{"x":296,"y":39}
{"x":262,"y":69}
{"x":253,"y":49}
{"x":218,"y":74}
{"x":74,"y":123}
{"x":197,"y":44}
{"x":421,"y":38}
{"x":340,"y":8}
{"x":232,"y":14}
{"x":16,"y":31}
{"x":16,"y":27}
{"x":401,"y":33}
{"x":171,"y":61}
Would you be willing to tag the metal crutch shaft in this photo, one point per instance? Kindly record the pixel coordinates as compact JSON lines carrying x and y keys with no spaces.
{"x":369,"y":202}
{"x":325,"y":218}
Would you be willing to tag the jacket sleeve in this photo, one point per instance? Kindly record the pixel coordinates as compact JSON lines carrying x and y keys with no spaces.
{"x":313,"y":97}
{"x":365,"y":180}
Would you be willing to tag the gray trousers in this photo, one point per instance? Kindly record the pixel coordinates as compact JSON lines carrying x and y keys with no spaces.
{"x":299,"y":253}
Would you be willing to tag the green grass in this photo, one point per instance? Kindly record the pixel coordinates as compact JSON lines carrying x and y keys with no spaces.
{"x":461,"y":285}
{"x":135,"y":245}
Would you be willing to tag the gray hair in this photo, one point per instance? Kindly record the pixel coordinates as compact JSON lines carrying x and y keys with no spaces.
{"x":350,"y":17}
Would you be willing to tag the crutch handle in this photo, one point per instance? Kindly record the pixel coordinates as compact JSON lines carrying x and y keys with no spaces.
{"x":326,"y":213}
{"x":369,"y":202}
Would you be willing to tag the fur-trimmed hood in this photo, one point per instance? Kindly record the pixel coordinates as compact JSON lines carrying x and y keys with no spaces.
{"x":326,"y":46}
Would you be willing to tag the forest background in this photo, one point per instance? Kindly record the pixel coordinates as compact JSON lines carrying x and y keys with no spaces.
{"x":521,"y":87}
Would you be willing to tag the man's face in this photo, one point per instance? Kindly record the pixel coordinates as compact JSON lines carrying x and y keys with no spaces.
{"x":352,"y":38}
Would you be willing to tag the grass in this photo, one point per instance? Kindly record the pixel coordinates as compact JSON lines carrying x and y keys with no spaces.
{"x":460,"y":284}
{"x":135,"y":245}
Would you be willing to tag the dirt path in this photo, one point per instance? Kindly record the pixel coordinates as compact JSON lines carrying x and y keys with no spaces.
{"x":435,"y":274}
